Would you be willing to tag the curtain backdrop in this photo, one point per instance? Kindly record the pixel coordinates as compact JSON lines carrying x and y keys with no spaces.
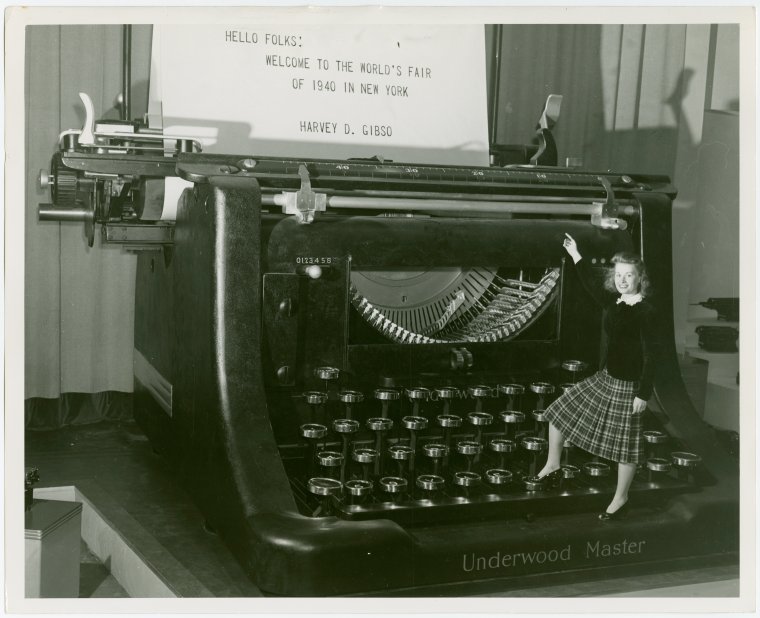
{"x":78,"y":301}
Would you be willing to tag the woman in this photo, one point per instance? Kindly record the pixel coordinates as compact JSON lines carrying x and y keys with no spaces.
{"x":602,"y":414}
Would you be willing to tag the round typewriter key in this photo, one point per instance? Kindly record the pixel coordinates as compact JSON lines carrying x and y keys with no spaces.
{"x":430,"y":482}
{"x":357,"y":489}
{"x":659,"y":464}
{"x":466,"y":481}
{"x":499,"y":476}
{"x":566,"y":386}
{"x":327,"y":373}
{"x":533,"y":484}
{"x":414,"y":423}
{"x":596,"y":469}
{"x":532,"y":443}
{"x":542,"y":423}
{"x":480,"y":418}
{"x":447,"y":394}
{"x":503,"y":448}
{"x":393,"y":485}
{"x":387,"y":394}
{"x":685,"y":460}
{"x":365,"y":455}
{"x":329,"y":459}
{"x":513,"y":393}
{"x":313,"y":431}
{"x":512,"y":420}
{"x":655,"y":437}
{"x":542,"y":388}
{"x":574,"y":368}
{"x":351,"y":396}
{"x":400,"y":452}
{"x":418,"y":394}
{"x":435,"y":450}
{"x":534,"y":446}
{"x":480,"y":391}
{"x":379,"y":424}
{"x":511,"y":389}
{"x":326,"y":489}
{"x":321,"y":486}
{"x":469,"y":447}
{"x":568,"y":472}
{"x":315,"y":397}
{"x":449,"y":420}
{"x":345,"y":425}
{"x":436,"y":453}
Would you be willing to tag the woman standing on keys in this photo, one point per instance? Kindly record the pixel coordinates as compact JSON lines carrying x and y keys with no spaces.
{"x":602,"y":414}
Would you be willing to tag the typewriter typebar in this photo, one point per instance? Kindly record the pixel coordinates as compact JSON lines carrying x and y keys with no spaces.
{"x":348,"y":364}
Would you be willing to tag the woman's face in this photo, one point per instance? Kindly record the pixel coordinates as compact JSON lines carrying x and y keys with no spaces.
{"x":627,"y":278}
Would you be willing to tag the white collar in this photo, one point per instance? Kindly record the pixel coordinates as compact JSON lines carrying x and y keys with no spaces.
{"x":630,"y":299}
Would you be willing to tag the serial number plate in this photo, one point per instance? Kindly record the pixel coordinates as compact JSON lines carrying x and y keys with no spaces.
{"x":320,"y":261}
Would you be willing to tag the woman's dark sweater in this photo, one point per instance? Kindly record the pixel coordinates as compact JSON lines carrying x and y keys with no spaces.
{"x":630,"y":334}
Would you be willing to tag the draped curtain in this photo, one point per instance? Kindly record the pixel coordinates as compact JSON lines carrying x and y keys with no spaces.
{"x":78,"y":301}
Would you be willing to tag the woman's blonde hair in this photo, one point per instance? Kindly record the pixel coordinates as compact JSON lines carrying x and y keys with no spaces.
{"x":626,"y":257}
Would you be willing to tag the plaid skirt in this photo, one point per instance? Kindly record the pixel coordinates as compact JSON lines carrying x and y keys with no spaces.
{"x":597,"y":416}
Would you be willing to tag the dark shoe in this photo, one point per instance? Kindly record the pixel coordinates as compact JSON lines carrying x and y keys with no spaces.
{"x":551,"y":477}
{"x":619,"y":514}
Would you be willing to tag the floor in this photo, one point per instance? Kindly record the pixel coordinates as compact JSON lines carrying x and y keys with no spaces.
{"x":95,"y":581}
{"x":117,"y":458}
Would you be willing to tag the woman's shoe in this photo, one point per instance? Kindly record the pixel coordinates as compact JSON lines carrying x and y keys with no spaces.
{"x":616,"y":515}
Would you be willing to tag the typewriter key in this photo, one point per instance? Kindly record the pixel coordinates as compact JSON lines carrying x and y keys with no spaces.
{"x":686,"y":464}
{"x":430,"y":484}
{"x":657,"y":467}
{"x":402,"y":454}
{"x":385,"y":396}
{"x":498,"y":477}
{"x":313,"y":433}
{"x":470,"y":449}
{"x":656,"y":441}
{"x":315,"y":399}
{"x":417,"y":396}
{"x":575,"y":368}
{"x":394,"y":486}
{"x":503,"y":448}
{"x":366,"y":457}
{"x":479,"y":393}
{"x":466,"y":481}
{"x":326,"y":489}
{"x":512,"y":420}
{"x":534,"y":446}
{"x":349,"y":398}
{"x":345,"y":427}
{"x":596,"y":471}
{"x":447,"y":395}
{"x":380,"y":426}
{"x":357,"y":491}
{"x":543,"y":391}
{"x":513,"y":393}
{"x":542,"y":423}
{"x":329,"y":375}
{"x":436,"y":453}
{"x":332,"y":461}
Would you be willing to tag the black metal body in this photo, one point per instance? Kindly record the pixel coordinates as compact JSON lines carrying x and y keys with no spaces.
{"x":238,"y":329}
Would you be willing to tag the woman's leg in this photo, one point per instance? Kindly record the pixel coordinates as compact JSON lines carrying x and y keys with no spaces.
{"x":626,"y":472}
{"x":556,"y":442}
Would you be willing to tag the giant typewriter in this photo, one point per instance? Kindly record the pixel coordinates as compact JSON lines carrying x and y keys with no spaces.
{"x":347,"y":362}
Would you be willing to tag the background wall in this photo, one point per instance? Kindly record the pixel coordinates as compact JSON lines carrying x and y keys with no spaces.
{"x":637,"y":98}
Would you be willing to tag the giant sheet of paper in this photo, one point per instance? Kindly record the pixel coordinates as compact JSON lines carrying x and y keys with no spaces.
{"x":413,"y":94}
